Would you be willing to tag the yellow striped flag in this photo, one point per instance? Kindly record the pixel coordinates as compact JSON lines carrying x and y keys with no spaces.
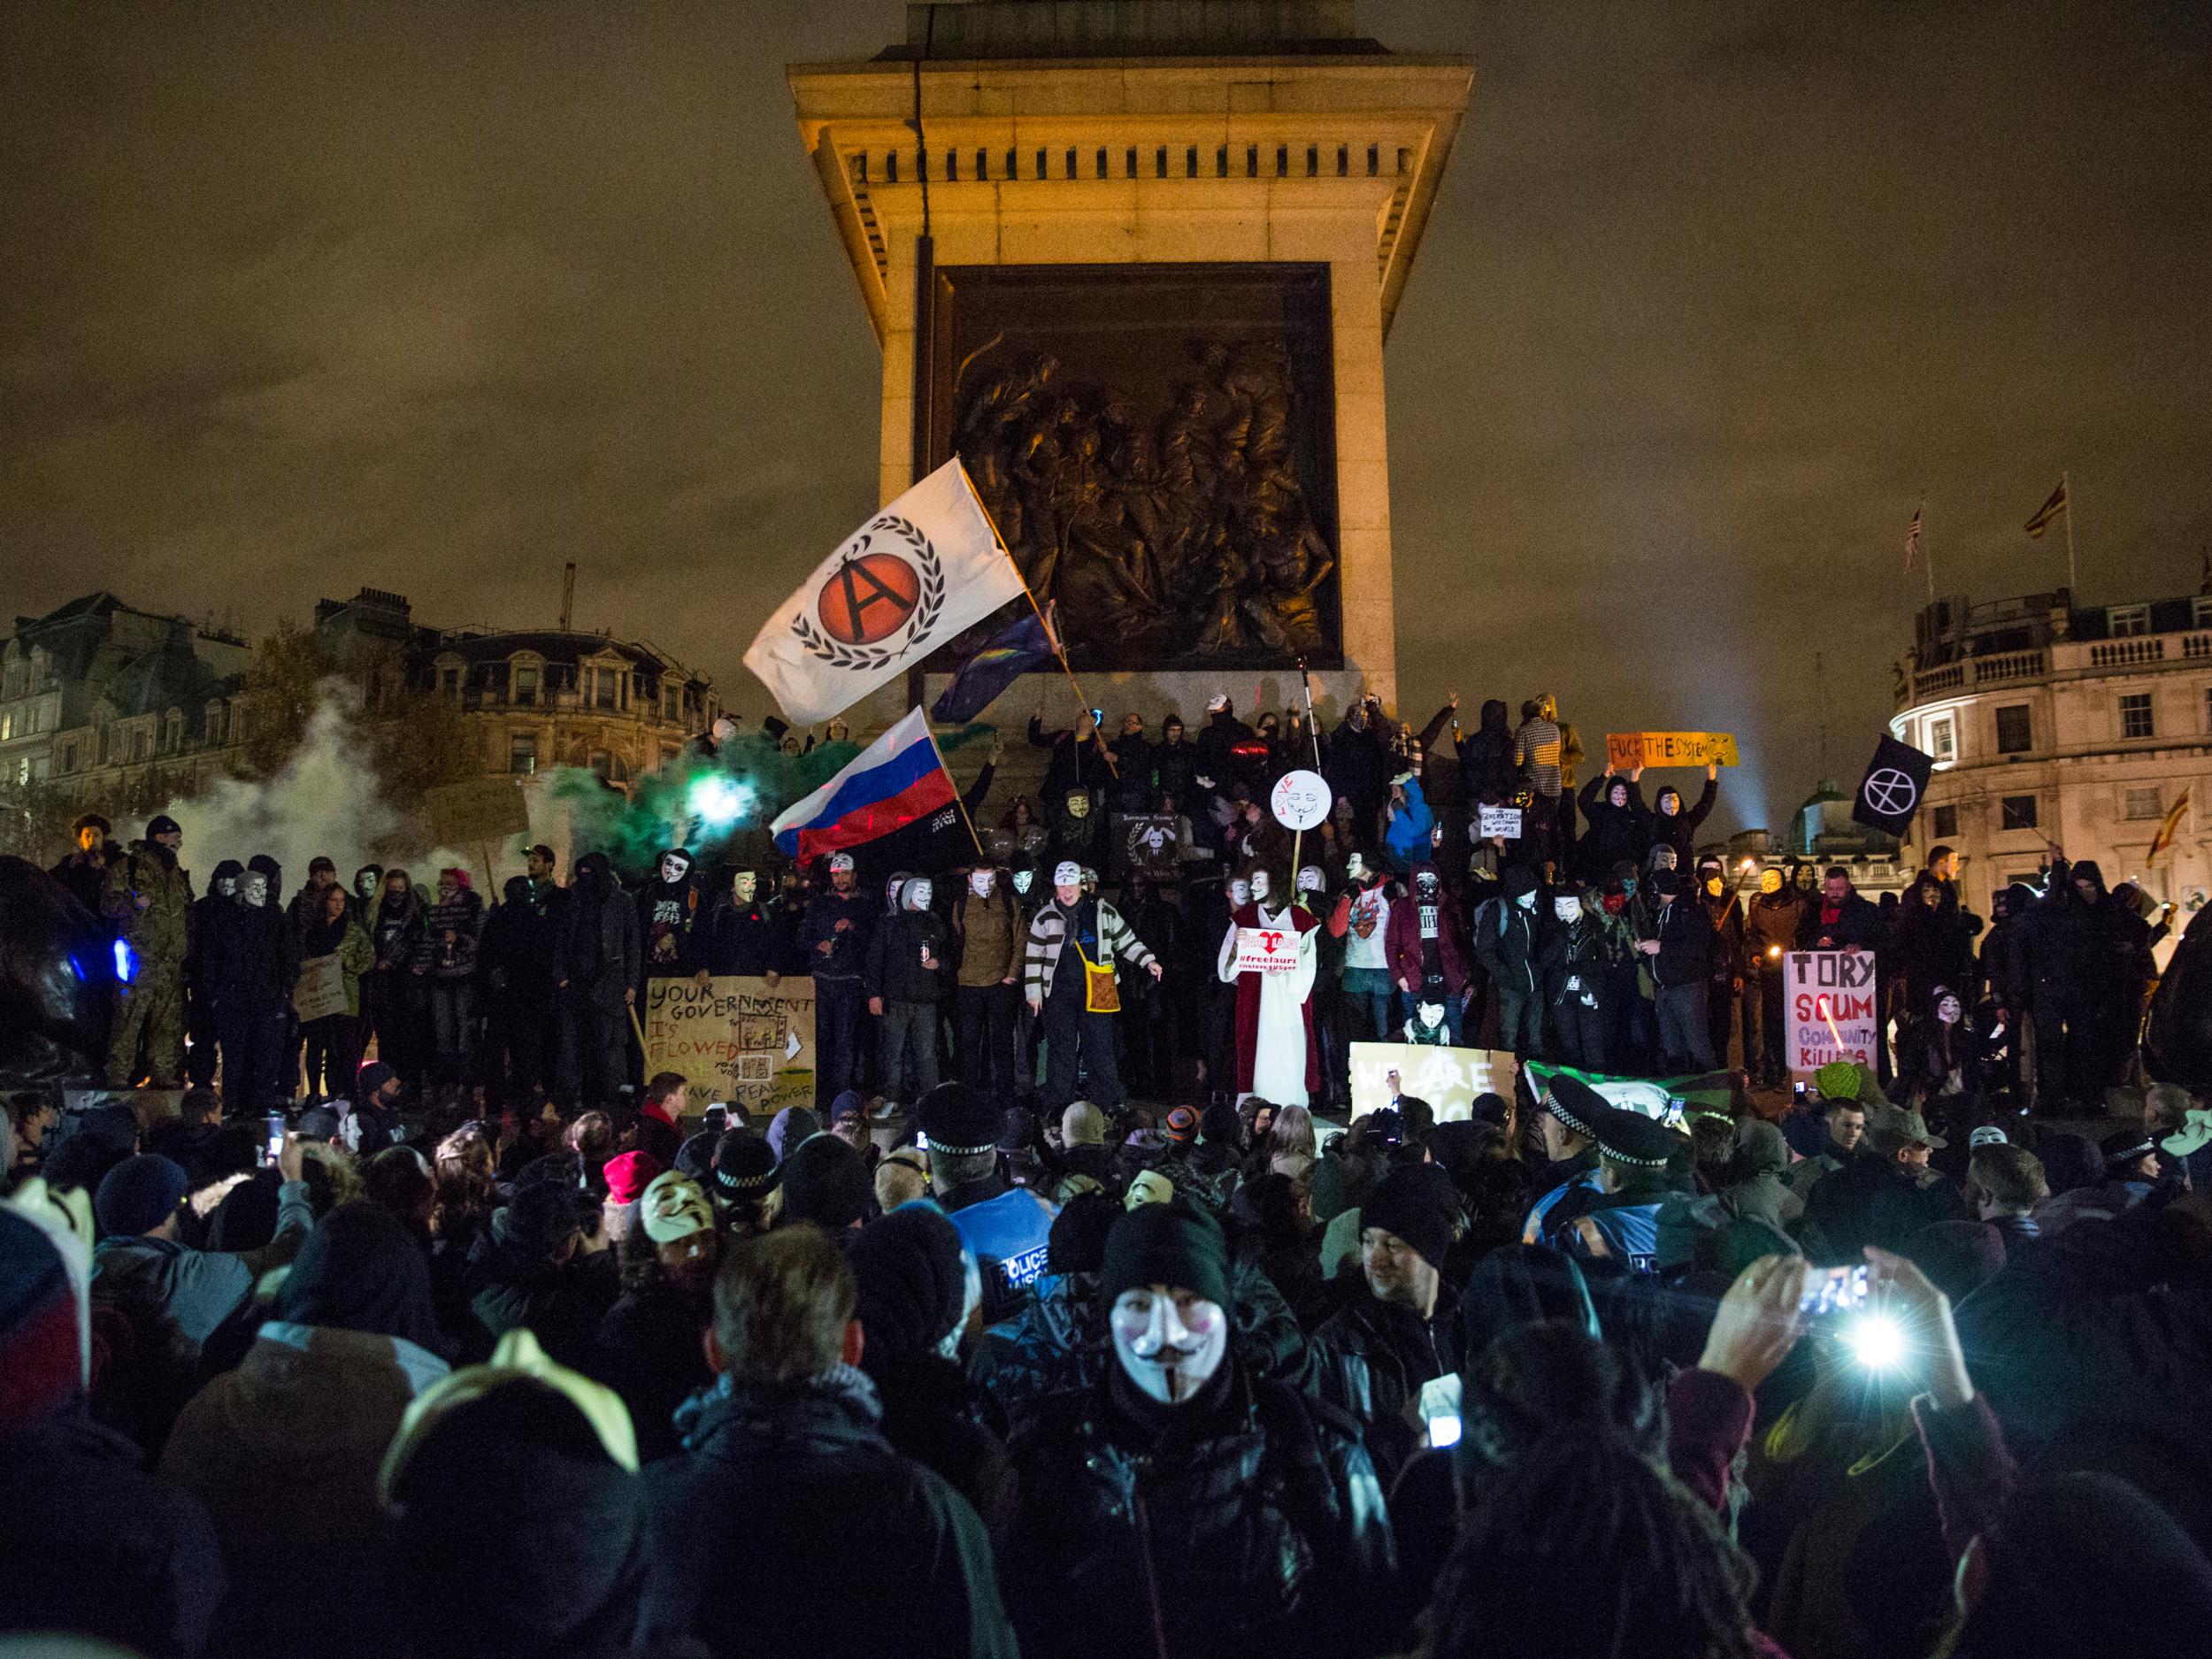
{"x":2163,"y":842}
{"x":2048,"y":510}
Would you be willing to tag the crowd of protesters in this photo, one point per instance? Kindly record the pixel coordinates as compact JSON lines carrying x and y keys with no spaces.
{"x":987,"y":1352}
{"x":1555,"y":1378}
{"x":1602,"y":935}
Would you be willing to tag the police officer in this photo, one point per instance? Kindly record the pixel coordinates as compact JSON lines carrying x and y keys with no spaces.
{"x":1621,"y":1223}
{"x":1571,"y":1109}
{"x":1007,"y":1226}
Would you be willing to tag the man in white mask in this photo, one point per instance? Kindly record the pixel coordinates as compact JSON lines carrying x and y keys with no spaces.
{"x":739,"y":937}
{"x":909,"y":975}
{"x":1256,"y":1510}
{"x":1362,"y":919}
{"x":242,"y":951}
{"x":1574,"y":966}
{"x":986,"y":997}
{"x":667,"y":914}
{"x":1277,"y":1058}
{"x":1071,"y":975}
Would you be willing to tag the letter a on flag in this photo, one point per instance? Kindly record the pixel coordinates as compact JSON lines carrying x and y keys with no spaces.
{"x":916,"y":573}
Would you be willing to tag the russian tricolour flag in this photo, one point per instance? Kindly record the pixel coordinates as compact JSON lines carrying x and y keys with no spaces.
{"x":893,"y":782}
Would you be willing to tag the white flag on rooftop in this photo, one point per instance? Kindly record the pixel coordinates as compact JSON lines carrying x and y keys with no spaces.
{"x":912,"y":577}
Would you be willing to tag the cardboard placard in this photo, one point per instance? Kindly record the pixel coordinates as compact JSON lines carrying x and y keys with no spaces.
{"x":1448,"y":1078}
{"x":1266,"y":950}
{"x":476,"y":813}
{"x":737,"y":1039}
{"x":1499,"y":820}
{"x":1830,"y":1003}
{"x":1624,"y":751}
{"x":320,"y":990}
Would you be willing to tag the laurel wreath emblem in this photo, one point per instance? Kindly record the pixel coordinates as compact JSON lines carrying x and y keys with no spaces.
{"x":926,"y":605}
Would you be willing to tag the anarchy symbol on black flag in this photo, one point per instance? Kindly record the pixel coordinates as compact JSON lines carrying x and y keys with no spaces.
{"x":1890,"y":791}
{"x":1892,"y":785}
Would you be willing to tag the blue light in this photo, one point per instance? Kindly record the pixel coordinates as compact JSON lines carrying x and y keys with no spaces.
{"x":717,"y":802}
{"x":125,"y":962}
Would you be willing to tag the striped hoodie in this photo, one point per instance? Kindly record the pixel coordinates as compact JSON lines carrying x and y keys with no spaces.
{"x":1048,"y":931}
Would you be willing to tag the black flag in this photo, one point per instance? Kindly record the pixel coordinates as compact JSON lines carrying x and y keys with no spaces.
{"x":1896,"y":779}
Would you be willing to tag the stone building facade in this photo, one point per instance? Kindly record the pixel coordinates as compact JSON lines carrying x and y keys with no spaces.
{"x":2058,"y":724}
{"x":111,"y":708}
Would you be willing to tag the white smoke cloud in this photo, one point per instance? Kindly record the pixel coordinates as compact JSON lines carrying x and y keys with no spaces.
{"x":325,"y":802}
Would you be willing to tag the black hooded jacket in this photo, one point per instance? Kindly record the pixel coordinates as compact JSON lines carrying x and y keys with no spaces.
{"x":597,"y":949}
{"x":668,"y":914}
{"x":515,"y":952}
{"x":247,"y":957}
{"x":1679,"y":830}
{"x":1217,"y":760}
{"x":1486,"y":772}
{"x":739,"y":938}
{"x":799,"y":1483}
{"x":1246,"y":1523}
{"x":1614,"y":833}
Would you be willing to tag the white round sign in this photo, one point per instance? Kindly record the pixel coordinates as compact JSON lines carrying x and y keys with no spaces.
{"x":1300,"y":800}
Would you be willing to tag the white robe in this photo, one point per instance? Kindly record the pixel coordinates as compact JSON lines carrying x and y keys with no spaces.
{"x":1279,"y":1055}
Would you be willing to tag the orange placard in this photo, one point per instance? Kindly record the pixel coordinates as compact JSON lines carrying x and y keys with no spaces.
{"x":1624,"y":751}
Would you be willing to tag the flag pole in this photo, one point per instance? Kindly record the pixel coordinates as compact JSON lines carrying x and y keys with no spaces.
{"x":956,"y":798}
{"x":1927,"y":557}
{"x":2066,"y":486}
{"x":1313,"y":727}
{"x":1051,"y":634}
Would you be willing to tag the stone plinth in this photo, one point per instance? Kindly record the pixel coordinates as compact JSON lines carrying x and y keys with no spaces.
{"x":1148,"y":132}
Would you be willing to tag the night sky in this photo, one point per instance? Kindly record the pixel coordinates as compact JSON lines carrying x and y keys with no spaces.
{"x":434,"y":298}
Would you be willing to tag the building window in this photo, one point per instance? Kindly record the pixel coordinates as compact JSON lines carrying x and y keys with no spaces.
{"x":2141,"y":803}
{"x":138,"y":742}
{"x":522,"y":752}
{"x":2018,"y":812}
{"x":1947,"y":822}
{"x":7,"y":725}
{"x":2200,"y":613}
{"x":2125,"y":622}
{"x":2015,"y":730}
{"x":609,"y":685}
{"x":602,"y":763}
{"x":449,"y":681}
{"x":2135,"y":715}
{"x":69,"y":757}
{"x":527,"y":686}
{"x":1943,"y":740}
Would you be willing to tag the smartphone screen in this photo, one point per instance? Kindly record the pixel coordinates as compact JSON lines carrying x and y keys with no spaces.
{"x":1443,"y":1431}
{"x":276,"y":1136}
{"x":1837,"y":1290}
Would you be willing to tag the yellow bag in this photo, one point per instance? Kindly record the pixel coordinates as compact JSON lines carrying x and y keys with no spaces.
{"x":1101,"y":992}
